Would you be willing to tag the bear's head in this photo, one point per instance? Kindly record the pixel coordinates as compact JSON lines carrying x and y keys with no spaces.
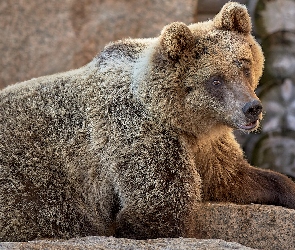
{"x":203,"y":76}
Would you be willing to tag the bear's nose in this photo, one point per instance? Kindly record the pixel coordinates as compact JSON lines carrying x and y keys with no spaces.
{"x":252,"y":109}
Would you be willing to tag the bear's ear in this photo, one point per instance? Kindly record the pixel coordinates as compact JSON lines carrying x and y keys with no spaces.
{"x":176,"y":38}
{"x":233,"y":17}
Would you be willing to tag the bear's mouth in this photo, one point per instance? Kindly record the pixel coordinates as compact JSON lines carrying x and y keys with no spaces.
{"x":249,"y":126}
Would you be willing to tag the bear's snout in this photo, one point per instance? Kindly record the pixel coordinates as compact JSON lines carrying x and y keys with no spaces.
{"x":252,"y":110}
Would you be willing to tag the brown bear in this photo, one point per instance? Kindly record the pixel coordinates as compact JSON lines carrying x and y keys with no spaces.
{"x":130,"y":144}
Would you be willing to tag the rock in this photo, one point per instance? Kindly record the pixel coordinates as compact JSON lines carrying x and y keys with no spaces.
{"x":256,"y":226}
{"x":44,"y":37}
{"x":253,"y":226}
{"x":110,"y":243}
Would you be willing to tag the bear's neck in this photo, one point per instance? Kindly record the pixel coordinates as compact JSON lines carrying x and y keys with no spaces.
{"x":218,"y":158}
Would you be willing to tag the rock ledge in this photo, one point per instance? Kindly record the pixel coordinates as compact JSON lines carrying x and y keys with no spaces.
{"x":110,"y":243}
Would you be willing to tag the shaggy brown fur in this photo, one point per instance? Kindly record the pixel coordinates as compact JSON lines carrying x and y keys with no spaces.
{"x":130,"y":144}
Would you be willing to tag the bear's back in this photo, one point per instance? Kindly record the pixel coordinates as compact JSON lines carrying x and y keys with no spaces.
{"x":58,"y":105}
{"x":47,"y":120}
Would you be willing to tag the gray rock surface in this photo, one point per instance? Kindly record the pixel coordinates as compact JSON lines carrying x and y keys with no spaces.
{"x":253,"y":226}
{"x":256,"y":226}
{"x":109,"y":243}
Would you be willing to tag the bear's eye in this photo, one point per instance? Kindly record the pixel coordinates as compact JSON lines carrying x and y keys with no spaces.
{"x":216,"y":82}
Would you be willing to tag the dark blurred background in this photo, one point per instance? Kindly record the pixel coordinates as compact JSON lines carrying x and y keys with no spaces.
{"x":41,"y":37}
